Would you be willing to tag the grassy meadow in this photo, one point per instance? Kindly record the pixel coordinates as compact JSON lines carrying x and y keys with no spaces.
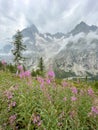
{"x":46,"y":103}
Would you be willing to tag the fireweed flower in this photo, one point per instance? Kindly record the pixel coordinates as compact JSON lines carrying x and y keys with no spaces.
{"x":40,"y":80}
{"x":90,"y":92}
{"x":64,"y":84}
{"x":51,"y":74}
{"x":74,"y":90}
{"x":12,"y":118}
{"x":37,"y":120}
{"x":12,"y":104}
{"x":34,"y":120}
{"x":48,"y":81}
{"x":27,"y":73}
{"x":42,"y":85}
{"x":39,"y":123}
{"x":19,"y":67}
{"x":22,"y":75}
{"x":8,"y":94}
{"x":73,"y":98}
{"x":94,"y":110}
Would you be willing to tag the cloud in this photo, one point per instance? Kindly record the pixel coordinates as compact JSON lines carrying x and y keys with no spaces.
{"x":48,"y":15}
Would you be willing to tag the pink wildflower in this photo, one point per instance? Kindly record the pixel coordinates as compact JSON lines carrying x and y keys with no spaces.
{"x":3,"y":62}
{"x":22,"y":75}
{"x":73,"y":98}
{"x":12,"y":118}
{"x":37,"y":120}
{"x":90,"y":92}
{"x":51,"y":74}
{"x":27,"y":73}
{"x":94,"y":110}
{"x":64,"y":84}
{"x":39,"y":123}
{"x":74,"y":90}
{"x":34,"y":120}
{"x":20,"y":67}
{"x":40,"y":80}
{"x":48,"y":81}
{"x":8,"y":94}
{"x":12,"y":104}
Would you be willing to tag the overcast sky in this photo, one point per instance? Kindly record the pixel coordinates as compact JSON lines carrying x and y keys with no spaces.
{"x":48,"y":15}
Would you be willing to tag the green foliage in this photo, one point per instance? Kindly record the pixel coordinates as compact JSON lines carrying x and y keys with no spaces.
{"x":62,"y":74}
{"x":18,"y":48}
{"x":8,"y":67}
{"x":96,"y":85}
{"x":1,"y":66}
{"x":11,"y":68}
{"x":47,"y":107}
{"x":37,"y":72}
{"x":58,"y":81}
{"x":86,"y":78}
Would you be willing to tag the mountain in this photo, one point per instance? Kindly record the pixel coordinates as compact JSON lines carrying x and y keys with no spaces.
{"x":83,"y":27}
{"x":74,"y":53}
{"x":30,"y":32}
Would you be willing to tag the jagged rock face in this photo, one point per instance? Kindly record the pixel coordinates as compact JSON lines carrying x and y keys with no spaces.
{"x":76,"y":51}
{"x":83,"y":27}
{"x":79,"y":61}
{"x":80,"y":55}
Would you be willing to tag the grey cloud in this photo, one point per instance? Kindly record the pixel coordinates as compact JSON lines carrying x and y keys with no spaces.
{"x":48,"y":15}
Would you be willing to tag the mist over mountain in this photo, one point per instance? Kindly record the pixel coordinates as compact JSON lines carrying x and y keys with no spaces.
{"x":83,"y":27}
{"x":75,"y":52}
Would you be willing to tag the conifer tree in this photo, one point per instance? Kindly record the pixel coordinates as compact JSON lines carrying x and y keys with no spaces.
{"x":18,"y":48}
{"x":41,"y":64}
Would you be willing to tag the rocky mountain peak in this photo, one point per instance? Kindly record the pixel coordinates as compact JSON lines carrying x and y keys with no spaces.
{"x":33,"y":29}
{"x":30,"y":31}
{"x":82,"y":23}
{"x":83,"y":27}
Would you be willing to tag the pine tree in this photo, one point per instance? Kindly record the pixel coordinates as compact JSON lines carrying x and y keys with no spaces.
{"x":41,"y":64}
{"x":18,"y":48}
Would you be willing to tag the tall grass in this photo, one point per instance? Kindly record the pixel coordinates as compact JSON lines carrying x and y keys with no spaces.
{"x":45,"y":104}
